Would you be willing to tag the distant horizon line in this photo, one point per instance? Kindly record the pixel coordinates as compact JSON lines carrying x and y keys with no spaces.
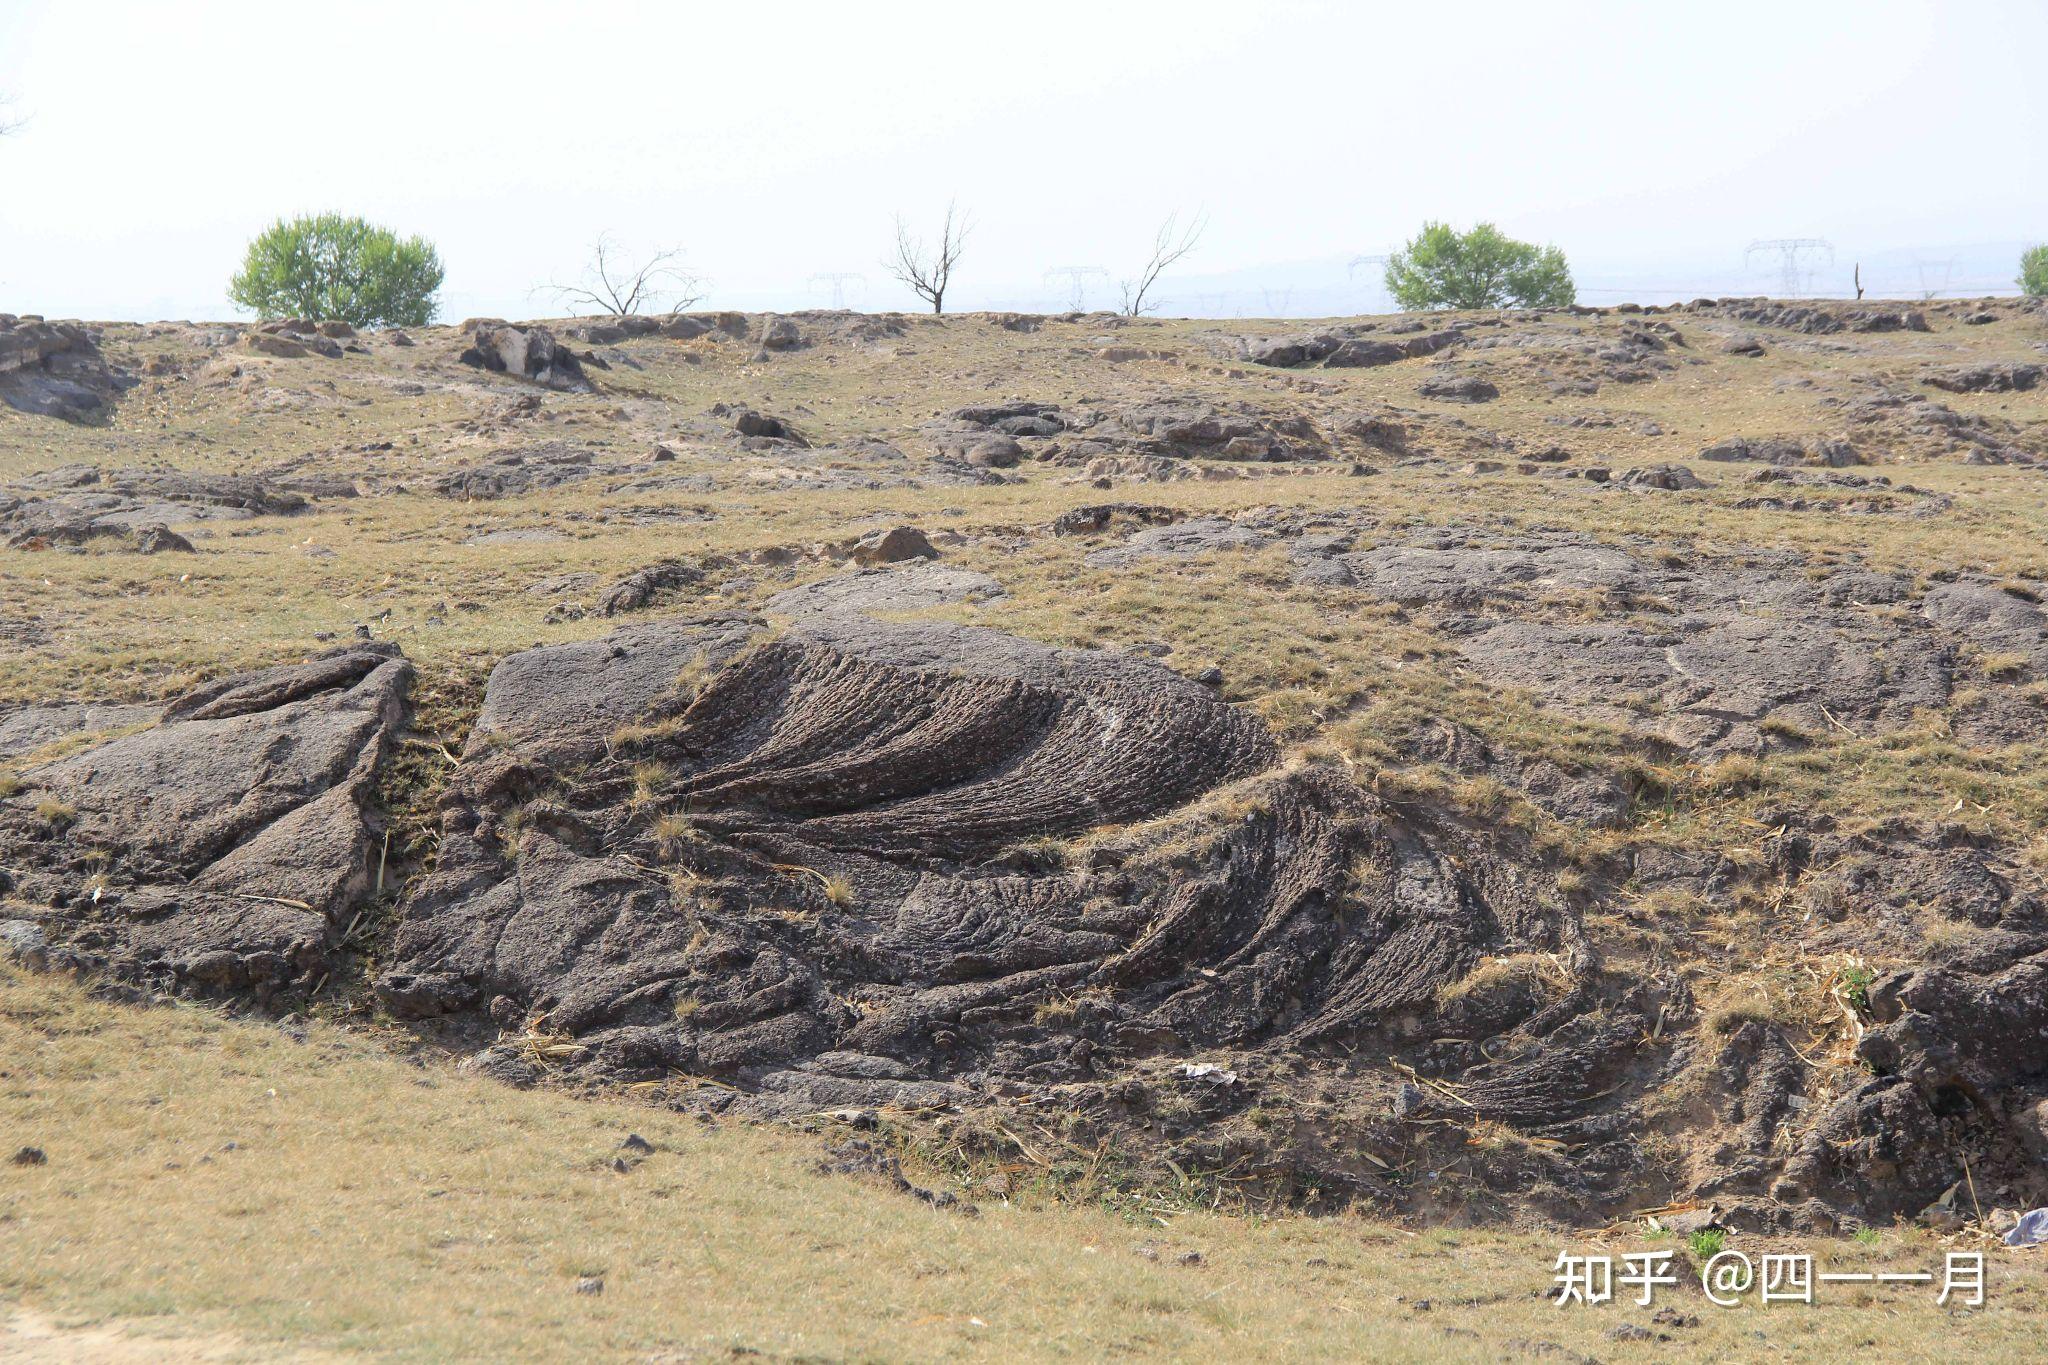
{"x":1062,"y":314}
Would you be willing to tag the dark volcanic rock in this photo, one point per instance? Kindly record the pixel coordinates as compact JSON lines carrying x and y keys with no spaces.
{"x":639,"y":589}
{"x":1178,"y":540}
{"x":1817,"y":319}
{"x":76,"y":503}
{"x":531,"y":353}
{"x":891,"y":546}
{"x":1669,"y":477}
{"x":1996,"y":618}
{"x":224,"y":848}
{"x":291,"y":341}
{"x":512,"y":471}
{"x":24,"y":729}
{"x":760,"y":425}
{"x":1726,"y":646}
{"x":55,"y":369}
{"x":1463,"y":388}
{"x":2007,"y":378}
{"x":1193,"y":428}
{"x":1351,"y":348}
{"x":1784,"y":451}
{"x":909,"y":587}
{"x":809,"y":872}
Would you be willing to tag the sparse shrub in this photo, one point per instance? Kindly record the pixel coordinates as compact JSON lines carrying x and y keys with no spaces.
{"x":1706,"y":1243}
{"x":2034,"y":271}
{"x":331,"y":266}
{"x":675,"y":828}
{"x":2003,"y":666}
{"x":55,"y":813}
{"x":1857,"y":980}
{"x":648,"y":779}
{"x":1057,"y":1012}
{"x":1483,"y":268}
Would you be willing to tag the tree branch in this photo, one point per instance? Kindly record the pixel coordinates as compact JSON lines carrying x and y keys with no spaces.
{"x":622,"y":288}
{"x":1167,"y":248}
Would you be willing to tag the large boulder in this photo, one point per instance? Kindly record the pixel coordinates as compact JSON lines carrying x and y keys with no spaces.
{"x":1353,"y":347}
{"x":55,"y":369}
{"x":531,"y":353}
{"x":888,"y":547}
{"x":226,"y":847}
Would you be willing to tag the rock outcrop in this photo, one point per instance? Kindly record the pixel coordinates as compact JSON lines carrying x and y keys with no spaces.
{"x":530,"y":353}
{"x":225,"y":848}
{"x":55,"y":369}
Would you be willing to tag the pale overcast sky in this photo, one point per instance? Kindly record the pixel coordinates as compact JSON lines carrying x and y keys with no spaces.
{"x":773,"y":142}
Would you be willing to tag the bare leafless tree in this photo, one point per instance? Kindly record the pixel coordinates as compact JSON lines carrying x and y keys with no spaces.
{"x":928,"y":275}
{"x":617,"y":285}
{"x":1168,"y":247}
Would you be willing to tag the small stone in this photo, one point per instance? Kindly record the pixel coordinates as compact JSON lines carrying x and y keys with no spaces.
{"x":31,"y":1156}
{"x":590,"y":1284}
{"x":635,"y":1143}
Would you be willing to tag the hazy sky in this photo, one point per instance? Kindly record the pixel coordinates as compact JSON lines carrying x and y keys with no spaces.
{"x":776,"y":141}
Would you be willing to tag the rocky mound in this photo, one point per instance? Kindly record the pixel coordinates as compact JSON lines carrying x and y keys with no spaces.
{"x":530,"y":353}
{"x":55,"y":369}
{"x":512,"y":471}
{"x":76,"y":503}
{"x":1914,"y":426}
{"x":2006,"y":378}
{"x":833,"y":868}
{"x":1813,"y":319}
{"x":1356,"y":346}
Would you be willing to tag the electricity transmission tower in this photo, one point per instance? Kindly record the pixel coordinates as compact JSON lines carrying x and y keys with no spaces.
{"x":1379,"y":264}
{"x":837,"y":280}
{"x":1797,"y":259}
{"x":1077,"y":277}
{"x":1277,"y":301}
{"x":1934,"y":276}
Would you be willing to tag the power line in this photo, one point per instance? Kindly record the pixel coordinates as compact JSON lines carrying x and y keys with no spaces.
{"x":1934,"y":276}
{"x":1794,"y":257}
{"x":838,"y":280}
{"x":1077,"y":277}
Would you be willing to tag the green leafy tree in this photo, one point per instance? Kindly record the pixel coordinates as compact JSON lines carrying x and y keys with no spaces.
{"x":330,"y":266}
{"x":1483,"y":268}
{"x":2034,"y":271}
